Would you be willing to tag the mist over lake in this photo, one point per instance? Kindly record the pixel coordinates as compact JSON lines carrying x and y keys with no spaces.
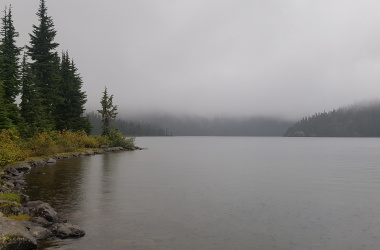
{"x":220,"y":193}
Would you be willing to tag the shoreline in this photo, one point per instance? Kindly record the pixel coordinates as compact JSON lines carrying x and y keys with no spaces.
{"x":42,"y":221}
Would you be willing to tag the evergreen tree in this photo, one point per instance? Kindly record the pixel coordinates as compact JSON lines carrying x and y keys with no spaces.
{"x":31,"y":108}
{"x":108,"y":112}
{"x":5,"y":122}
{"x":9,"y":68}
{"x":69,"y":112}
{"x":45,"y":61}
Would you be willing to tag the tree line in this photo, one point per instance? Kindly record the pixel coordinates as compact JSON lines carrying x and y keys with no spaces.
{"x":361,"y":120}
{"x":48,"y":84}
{"x":191,"y":125}
{"x":126,"y":127}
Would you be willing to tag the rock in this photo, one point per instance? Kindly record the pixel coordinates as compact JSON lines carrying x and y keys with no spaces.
{"x":21,"y":182}
{"x":9,"y":207}
{"x":41,"y":221}
{"x":67,"y":230}
{"x":18,"y":174}
{"x":13,"y":235}
{"x":11,"y":170}
{"x":44,"y":210}
{"x":8,"y":184}
{"x":104,"y":146}
{"x":35,"y":163}
{"x":24,"y":198}
{"x":33,"y":204}
{"x":4,"y":189}
{"x":28,"y":224}
{"x":51,"y":161}
{"x":40,"y":233}
{"x":23,"y":168}
{"x":6,"y":177}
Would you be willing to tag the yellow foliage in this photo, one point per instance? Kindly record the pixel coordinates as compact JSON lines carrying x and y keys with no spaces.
{"x":43,"y":144}
{"x":10,"y":147}
{"x":13,"y":149}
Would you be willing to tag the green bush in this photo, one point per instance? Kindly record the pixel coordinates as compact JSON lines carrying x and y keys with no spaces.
{"x":117,"y":139}
{"x":101,"y":140}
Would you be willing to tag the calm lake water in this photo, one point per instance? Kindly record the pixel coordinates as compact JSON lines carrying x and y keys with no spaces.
{"x":220,"y":193}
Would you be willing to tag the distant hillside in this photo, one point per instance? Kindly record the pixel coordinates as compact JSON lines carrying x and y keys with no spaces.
{"x":362,"y":120}
{"x":182,"y":125}
{"x":125,"y":127}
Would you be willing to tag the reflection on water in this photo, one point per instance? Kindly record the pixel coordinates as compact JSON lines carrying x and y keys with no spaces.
{"x":220,"y":193}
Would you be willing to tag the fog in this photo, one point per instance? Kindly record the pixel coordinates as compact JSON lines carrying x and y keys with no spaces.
{"x":215,"y":57}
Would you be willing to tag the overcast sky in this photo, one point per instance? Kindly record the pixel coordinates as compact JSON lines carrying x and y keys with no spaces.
{"x":216,"y":57}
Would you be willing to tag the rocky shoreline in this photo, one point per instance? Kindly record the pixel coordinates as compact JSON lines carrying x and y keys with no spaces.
{"x":43,"y":222}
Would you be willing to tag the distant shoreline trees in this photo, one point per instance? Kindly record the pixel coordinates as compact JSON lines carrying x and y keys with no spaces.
{"x":361,"y":120}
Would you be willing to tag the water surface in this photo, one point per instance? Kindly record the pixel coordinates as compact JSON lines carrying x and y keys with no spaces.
{"x":220,"y":193}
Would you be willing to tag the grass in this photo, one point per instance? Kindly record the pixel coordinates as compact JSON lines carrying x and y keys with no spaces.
{"x":19,"y":217}
{"x":10,"y":197}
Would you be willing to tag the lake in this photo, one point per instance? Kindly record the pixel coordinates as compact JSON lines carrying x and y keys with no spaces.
{"x":220,"y":193}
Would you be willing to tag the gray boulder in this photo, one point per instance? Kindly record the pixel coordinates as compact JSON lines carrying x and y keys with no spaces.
{"x":9,"y":207}
{"x":13,"y":235}
{"x":8,"y":184}
{"x":44,"y":210}
{"x":23,"y":167}
{"x":40,"y":233}
{"x":28,"y":224}
{"x":50,"y":161}
{"x":67,"y":230}
{"x":41,"y":221}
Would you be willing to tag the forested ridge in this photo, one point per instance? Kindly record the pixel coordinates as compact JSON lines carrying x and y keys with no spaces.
{"x":360,"y":120}
{"x":191,"y":125}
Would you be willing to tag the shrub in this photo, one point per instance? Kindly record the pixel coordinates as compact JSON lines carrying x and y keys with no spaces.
{"x":102,"y":140}
{"x":10,"y":147}
{"x":91,"y":142}
{"x":43,"y":144}
{"x":117,"y":139}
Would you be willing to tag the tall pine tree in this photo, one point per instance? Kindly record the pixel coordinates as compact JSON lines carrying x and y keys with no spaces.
{"x":31,"y":109}
{"x":108,"y":112}
{"x":69,"y":112}
{"x":9,"y":67}
{"x":45,"y":61}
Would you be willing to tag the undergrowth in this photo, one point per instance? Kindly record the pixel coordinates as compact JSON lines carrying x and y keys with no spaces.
{"x":13,"y":148}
